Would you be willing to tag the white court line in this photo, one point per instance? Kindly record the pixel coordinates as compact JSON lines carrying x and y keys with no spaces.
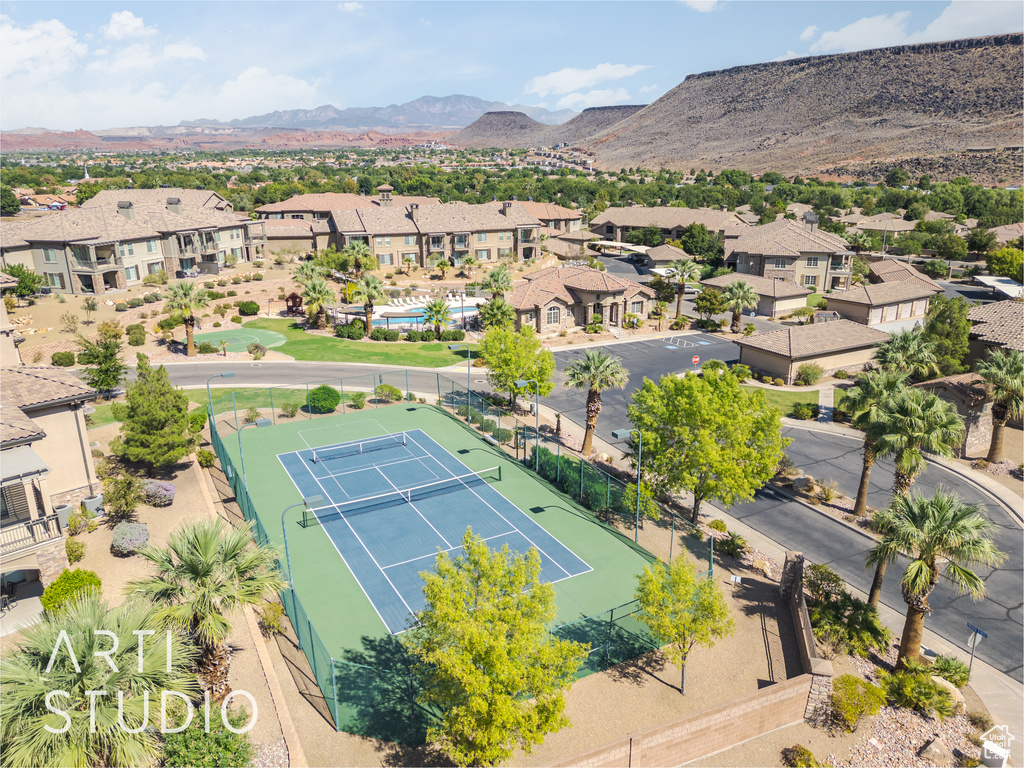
{"x":450,"y":549}
{"x":409,"y":502}
{"x":549,"y":557}
{"x":384,"y":464}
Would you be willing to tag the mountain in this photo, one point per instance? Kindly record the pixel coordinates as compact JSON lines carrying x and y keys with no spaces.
{"x":509,"y":129}
{"x":945,"y":109}
{"x":424,"y":113}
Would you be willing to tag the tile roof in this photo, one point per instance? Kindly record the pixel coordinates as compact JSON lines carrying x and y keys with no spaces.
{"x":878,"y":294}
{"x":27,"y":387}
{"x":543,"y":211}
{"x":191,"y":198}
{"x":563,"y":282}
{"x":969,"y":386}
{"x":763,"y":286}
{"x":999,"y":323}
{"x":786,"y":237}
{"x":339,"y":201}
{"x":15,"y":426}
{"x":890,"y":271}
{"x":296,"y":228}
{"x":886,"y":222}
{"x":801,"y":341}
{"x":666,"y":253}
{"x":434,"y":219}
{"x":1008,"y":232}
{"x":7,"y":280}
{"x":669,"y":217}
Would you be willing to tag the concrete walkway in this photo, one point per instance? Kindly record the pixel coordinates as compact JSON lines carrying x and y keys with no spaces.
{"x":826,"y":404}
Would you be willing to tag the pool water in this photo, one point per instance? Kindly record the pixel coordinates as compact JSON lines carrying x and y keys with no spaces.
{"x":457,"y":313}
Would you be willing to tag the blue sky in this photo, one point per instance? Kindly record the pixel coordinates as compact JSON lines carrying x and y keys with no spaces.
{"x":95,"y":65}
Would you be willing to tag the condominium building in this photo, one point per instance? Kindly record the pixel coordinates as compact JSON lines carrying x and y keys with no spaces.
{"x":616,"y":223}
{"x":797,"y":252}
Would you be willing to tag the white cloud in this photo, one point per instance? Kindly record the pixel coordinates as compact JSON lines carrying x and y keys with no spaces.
{"x":599,"y":98}
{"x":130,"y":60}
{"x":183,"y":51}
{"x":808,"y":33}
{"x":704,"y":6}
{"x":257,"y":85}
{"x":786,"y":56}
{"x":350,"y":7}
{"x":879,"y":31}
{"x":648,"y":88}
{"x":40,"y":51}
{"x":125,"y":24}
{"x":573,"y":79}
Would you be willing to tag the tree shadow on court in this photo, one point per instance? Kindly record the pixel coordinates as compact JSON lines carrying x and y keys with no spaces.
{"x":611,"y":644}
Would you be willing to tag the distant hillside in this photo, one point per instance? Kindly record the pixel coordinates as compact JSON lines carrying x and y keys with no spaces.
{"x":591,"y":122}
{"x":501,"y":129}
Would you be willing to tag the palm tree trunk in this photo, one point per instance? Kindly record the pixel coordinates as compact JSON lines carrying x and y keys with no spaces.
{"x":213,"y":669}
{"x":679,"y":299}
{"x":995,"y":448}
{"x":913,"y":632}
{"x":735,"y":322}
{"x":860,"y":508}
{"x":876,"y":584}
{"x":190,"y":345}
{"x":593,"y":410}
{"x":368,"y":309}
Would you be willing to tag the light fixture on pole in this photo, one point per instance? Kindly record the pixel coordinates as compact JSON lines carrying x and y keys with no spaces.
{"x":624,"y":434}
{"x":520,"y":384}
{"x":225,"y":375}
{"x":307,"y":502}
{"x":241,"y":453}
{"x":463,"y":300}
{"x":469,"y":368}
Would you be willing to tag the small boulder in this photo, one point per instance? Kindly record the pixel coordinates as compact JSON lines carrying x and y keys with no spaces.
{"x":958,"y":698}
{"x":937,"y":753}
{"x":803,"y":484}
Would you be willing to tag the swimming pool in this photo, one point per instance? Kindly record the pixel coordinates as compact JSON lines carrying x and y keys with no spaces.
{"x":396,"y":322}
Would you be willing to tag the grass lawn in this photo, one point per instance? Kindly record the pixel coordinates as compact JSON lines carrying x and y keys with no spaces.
{"x":784,"y":400}
{"x":304,"y":346}
{"x":103,"y":415}
{"x":813,"y":298}
{"x":258,"y":397}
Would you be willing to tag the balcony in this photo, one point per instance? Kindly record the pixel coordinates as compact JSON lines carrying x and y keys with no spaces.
{"x":27,"y":534}
{"x":528,"y":236}
{"x":436,"y":246}
{"x":462,"y":242}
{"x":97,"y":265}
{"x":838,"y":266}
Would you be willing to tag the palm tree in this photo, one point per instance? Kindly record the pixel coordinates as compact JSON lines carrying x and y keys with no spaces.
{"x":909,"y":424}
{"x":908,"y":351}
{"x":27,"y":681}
{"x":438,"y":313}
{"x":468,"y":264}
{"x":737,"y":297}
{"x":596,"y":371}
{"x":317,"y":295}
{"x":306,"y":272}
{"x":443,"y":266}
{"x":368,"y":290}
{"x":859,"y":241}
{"x":408,"y":261}
{"x":683,"y":270}
{"x":940,"y":532}
{"x":1003,"y":372}
{"x":498,"y":282}
{"x":185,"y":300}
{"x":864,"y":402}
{"x":90,"y":305}
{"x":207,"y":572}
{"x":358,"y":251}
{"x":496,"y":313}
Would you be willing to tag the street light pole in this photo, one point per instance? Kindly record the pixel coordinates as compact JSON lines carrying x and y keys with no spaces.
{"x":520,"y":383}
{"x":463,"y":304}
{"x":241,"y":453}
{"x":225,"y":375}
{"x":624,"y":434}
{"x":311,"y":501}
{"x":469,"y":369}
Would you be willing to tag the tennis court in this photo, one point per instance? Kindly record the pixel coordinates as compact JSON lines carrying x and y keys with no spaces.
{"x":393,"y":501}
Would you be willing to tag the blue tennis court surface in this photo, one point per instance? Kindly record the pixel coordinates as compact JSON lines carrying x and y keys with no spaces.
{"x":393,"y":502}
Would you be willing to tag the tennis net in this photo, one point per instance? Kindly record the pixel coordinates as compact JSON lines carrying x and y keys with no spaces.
{"x":329,"y":452}
{"x":397,"y":498}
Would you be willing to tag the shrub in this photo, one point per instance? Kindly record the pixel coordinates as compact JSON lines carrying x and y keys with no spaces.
{"x":257,"y":277}
{"x":842,"y":373}
{"x":851,"y":623}
{"x":595,"y":328}
{"x":209,"y":284}
{"x":426,"y":336}
{"x":358,"y":400}
{"x":749,"y":329}
{"x":778,"y":382}
{"x":121,"y":495}
{"x":128,"y":539}
{"x":827,"y":491}
{"x":62,"y":359}
{"x":222,"y":282}
{"x":914,"y":689}
{"x":809,"y":373}
{"x":75,"y":550}
{"x":236,"y":280}
{"x":80,"y":523}
{"x":137,"y":338}
{"x":822,"y":583}
{"x":157,"y":493}
{"x":218,"y":748}
{"x":206,"y":458}
{"x":805,"y":411}
{"x":257,"y":350}
{"x":733,"y":545}
{"x":952,"y":669}
{"x":852,"y":699}
{"x":412,"y":336}
{"x":68,"y":587}
{"x":392,"y":335}
{"x":717,"y":525}
{"x":170,"y":323}
{"x":324,"y":399}
{"x":196,"y":421}
{"x":387,"y":393}
{"x":450,"y":335}
{"x":741,"y":372}
{"x":236,"y":319}
{"x":252,"y":414}
{"x":151,"y":298}
{"x":206,"y":348}
{"x":248,"y":308}
{"x":135,"y":302}
{"x":133,"y":327}
{"x":258,"y":263}
{"x":799,"y":756}
{"x":215,"y":295}
{"x":271,"y":621}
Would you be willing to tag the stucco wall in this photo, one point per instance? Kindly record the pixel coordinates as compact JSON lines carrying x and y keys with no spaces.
{"x":777,"y":366}
{"x":65,"y":449}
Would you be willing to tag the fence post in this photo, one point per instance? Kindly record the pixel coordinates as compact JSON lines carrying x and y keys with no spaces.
{"x":341,"y":383}
{"x":334,"y":689}
{"x":273,"y":416}
{"x":407,"y":393}
{"x":312,"y":650}
{"x":235,"y":409}
{"x":608,"y":641}
{"x":309,"y":409}
{"x":437,"y":376}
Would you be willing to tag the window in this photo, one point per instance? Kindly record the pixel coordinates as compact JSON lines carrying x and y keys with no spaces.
{"x":131,"y":273}
{"x":151,"y":246}
{"x":483,"y":254}
{"x":50,"y":255}
{"x":812,"y":261}
{"x":504,"y":253}
{"x":126,"y":249}
{"x":385,"y":258}
{"x":296,"y":216}
{"x":554,"y":316}
{"x":529,"y":317}
{"x":216,"y":235}
{"x":380,"y":242}
{"x":155,"y":267}
{"x":387,"y":241}
{"x":410,"y":239}
{"x":810,"y":280}
{"x":236,"y":252}
{"x":637,"y":307}
{"x":408,"y":257}
{"x":82,"y":256}
{"x":780,"y":263}
{"x":54,"y":280}
{"x":481,"y":237}
{"x":609,"y":229}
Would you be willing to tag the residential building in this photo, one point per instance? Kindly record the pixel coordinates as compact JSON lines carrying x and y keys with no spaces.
{"x":296,"y":235}
{"x":967,"y":391}
{"x":318,"y":206}
{"x":1000,"y":324}
{"x":660,"y":256}
{"x":559,"y":298}
{"x":775,"y":297}
{"x":1008,"y":232}
{"x":840,"y":344}
{"x":796,"y":252}
{"x":190,"y":198}
{"x":893,"y":271}
{"x":887,"y":306}
{"x":886,"y":225}
{"x":555,"y":217}
{"x":617,"y":223}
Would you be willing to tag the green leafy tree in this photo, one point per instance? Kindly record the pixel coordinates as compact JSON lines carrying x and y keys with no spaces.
{"x":863,"y":402}
{"x":940,"y":536}
{"x":709,"y":303}
{"x":332,"y":260}
{"x":1005,"y":262}
{"x":317,"y":296}
{"x":497,"y":313}
{"x":950,"y":247}
{"x":207,"y":573}
{"x":369,"y":290}
{"x":1003,"y":371}
{"x":511,"y":355}
{"x":104,"y":370}
{"x":947,"y":330}
{"x":910,"y":352}
{"x":595,"y":372}
{"x":487,"y":660}
{"x":981,"y":241}
{"x":706,"y":435}
{"x":186,"y":300}
{"x":26,"y":683}
{"x":859,"y":241}
{"x":29,"y":282}
{"x":681,"y":610}
{"x":437,"y":313}
{"x":9,"y":205}
{"x":896,"y":177}
{"x":683,"y":271}
{"x":154,"y":420}
{"x":697,"y":241}
{"x":649,"y":236}
{"x":498,"y":282}
{"x":736,"y":297}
